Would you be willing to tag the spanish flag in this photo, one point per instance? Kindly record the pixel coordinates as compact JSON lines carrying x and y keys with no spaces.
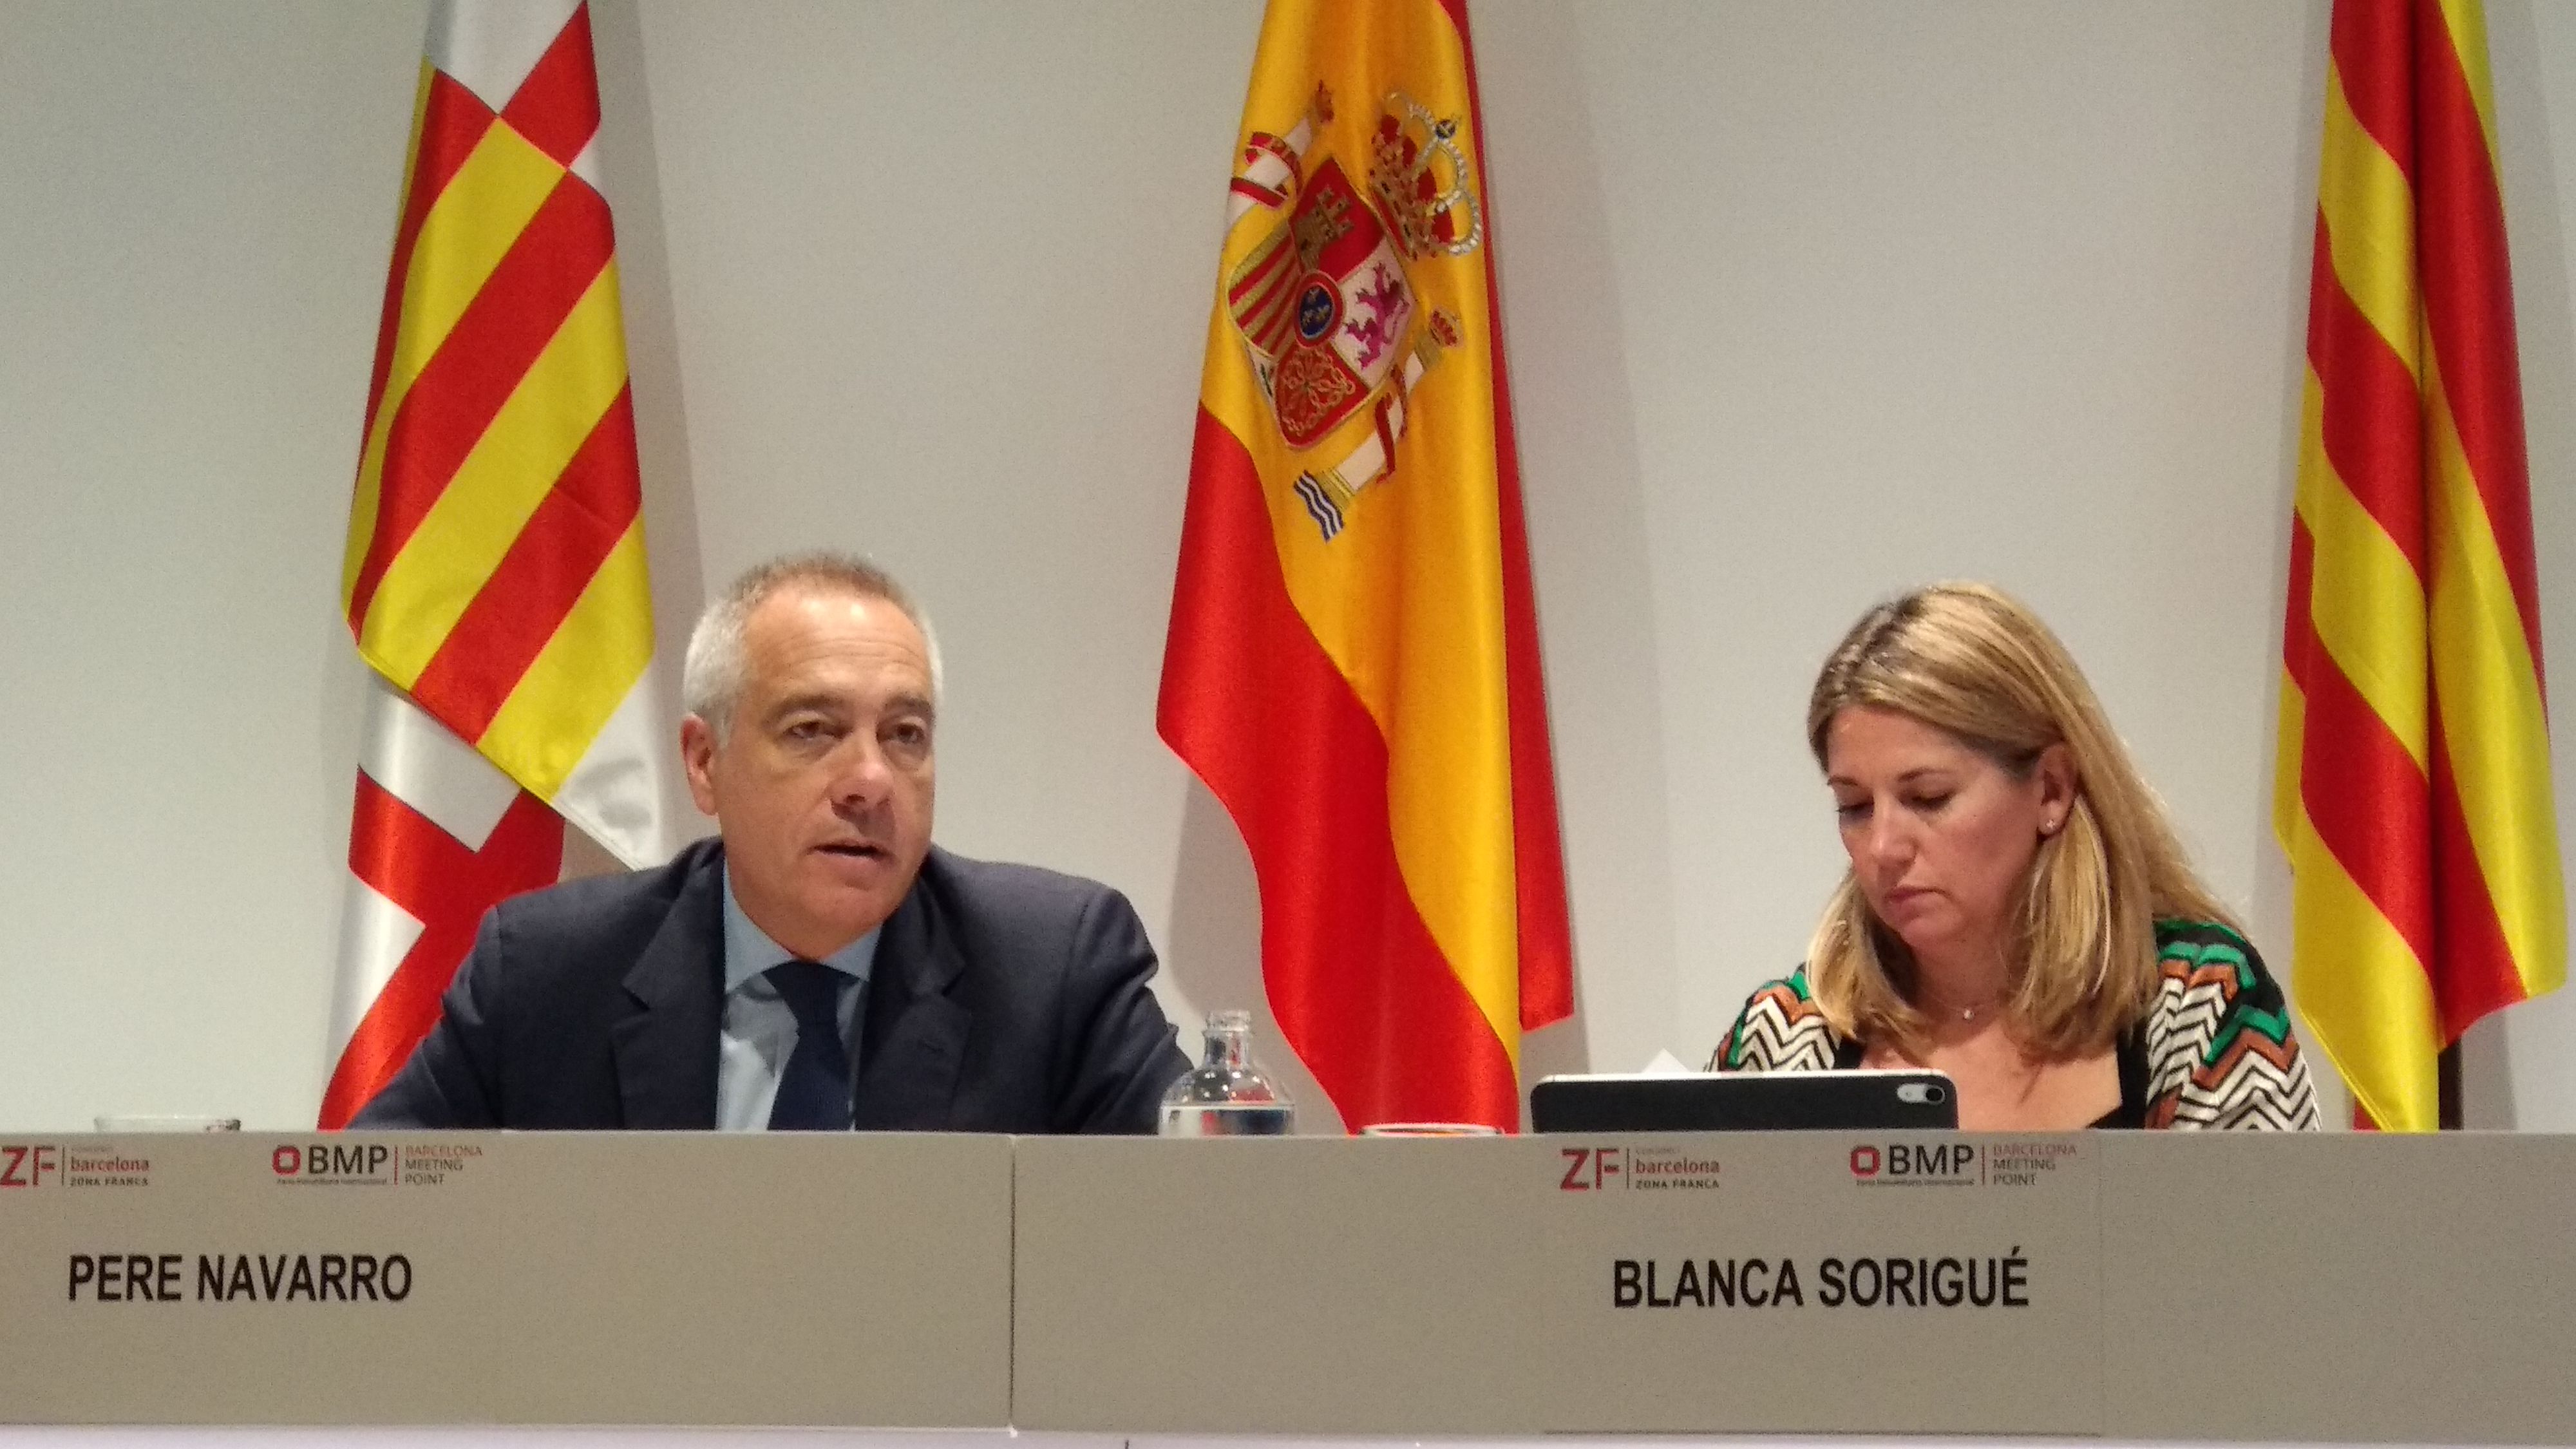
{"x":2413,"y":792}
{"x":1353,"y":665}
{"x":495,"y":577}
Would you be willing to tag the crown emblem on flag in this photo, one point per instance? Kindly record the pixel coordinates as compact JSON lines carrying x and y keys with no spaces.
{"x":1417,"y":170}
{"x":1322,"y":298}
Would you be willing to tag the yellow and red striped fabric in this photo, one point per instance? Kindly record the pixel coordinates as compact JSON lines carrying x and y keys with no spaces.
{"x":2413,"y":783}
{"x":1353,"y":661}
{"x":495,"y":573}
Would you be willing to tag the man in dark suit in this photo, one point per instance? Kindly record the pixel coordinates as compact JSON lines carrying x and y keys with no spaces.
{"x":821,"y":965}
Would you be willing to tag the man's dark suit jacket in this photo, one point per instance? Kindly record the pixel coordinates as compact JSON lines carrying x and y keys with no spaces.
{"x":1003,"y":999}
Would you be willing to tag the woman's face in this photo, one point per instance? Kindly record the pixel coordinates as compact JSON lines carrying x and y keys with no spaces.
{"x":1940,"y":836}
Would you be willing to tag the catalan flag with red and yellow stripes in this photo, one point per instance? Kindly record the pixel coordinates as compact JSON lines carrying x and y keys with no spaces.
{"x":2413,"y":782}
{"x":1353,"y":664}
{"x":495,"y":573}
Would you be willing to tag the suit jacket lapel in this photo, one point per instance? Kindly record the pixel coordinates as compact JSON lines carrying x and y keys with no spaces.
{"x":914,"y":1040}
{"x":666,"y":1048}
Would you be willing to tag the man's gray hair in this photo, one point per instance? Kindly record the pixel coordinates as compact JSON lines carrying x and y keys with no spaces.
{"x":711,"y":678}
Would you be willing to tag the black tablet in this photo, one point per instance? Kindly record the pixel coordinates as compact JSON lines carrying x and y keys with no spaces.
{"x":1746,"y":1102}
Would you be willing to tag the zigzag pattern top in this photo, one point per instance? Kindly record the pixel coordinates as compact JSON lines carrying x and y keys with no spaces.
{"x":2215,"y":1050}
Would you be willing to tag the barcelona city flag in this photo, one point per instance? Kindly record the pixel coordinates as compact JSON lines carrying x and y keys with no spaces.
{"x":2413,"y":782}
{"x":1353,"y":665}
{"x":495,"y":577}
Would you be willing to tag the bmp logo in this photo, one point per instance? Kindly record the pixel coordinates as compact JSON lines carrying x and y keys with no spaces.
{"x":29,"y":1166}
{"x":1916,"y":1160}
{"x":333,"y":1162}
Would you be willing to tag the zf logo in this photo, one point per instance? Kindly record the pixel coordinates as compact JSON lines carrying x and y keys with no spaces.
{"x":1899,"y":1159}
{"x":324,"y":1159}
{"x":29,"y":1166}
{"x":1589,"y":1169}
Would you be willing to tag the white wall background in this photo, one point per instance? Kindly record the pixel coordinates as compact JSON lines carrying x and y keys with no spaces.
{"x":1808,"y":300}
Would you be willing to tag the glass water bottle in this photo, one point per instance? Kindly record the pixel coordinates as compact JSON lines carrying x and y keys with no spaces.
{"x":1226,"y":1095}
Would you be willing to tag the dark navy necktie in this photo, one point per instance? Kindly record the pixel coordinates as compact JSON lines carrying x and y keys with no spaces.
{"x":814,"y":1091}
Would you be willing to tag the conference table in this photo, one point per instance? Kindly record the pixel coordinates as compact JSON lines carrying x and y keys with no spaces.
{"x":484,"y":1288}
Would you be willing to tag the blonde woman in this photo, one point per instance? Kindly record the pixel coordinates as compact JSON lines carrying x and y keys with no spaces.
{"x":2018,"y":913}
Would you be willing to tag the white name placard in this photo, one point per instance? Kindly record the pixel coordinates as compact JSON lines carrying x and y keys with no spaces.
{"x":506,"y":1278}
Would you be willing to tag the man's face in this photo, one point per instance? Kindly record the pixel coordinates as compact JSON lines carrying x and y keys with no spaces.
{"x":822,"y":786}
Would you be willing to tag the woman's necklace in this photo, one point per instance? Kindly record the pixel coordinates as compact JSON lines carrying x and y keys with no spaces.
{"x":1969,"y":1013}
{"x":1978,"y":1008}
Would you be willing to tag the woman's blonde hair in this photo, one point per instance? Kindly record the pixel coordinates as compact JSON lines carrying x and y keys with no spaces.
{"x":1971,"y":661}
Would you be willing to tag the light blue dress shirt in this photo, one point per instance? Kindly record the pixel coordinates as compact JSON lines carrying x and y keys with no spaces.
{"x":759,"y":1030}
